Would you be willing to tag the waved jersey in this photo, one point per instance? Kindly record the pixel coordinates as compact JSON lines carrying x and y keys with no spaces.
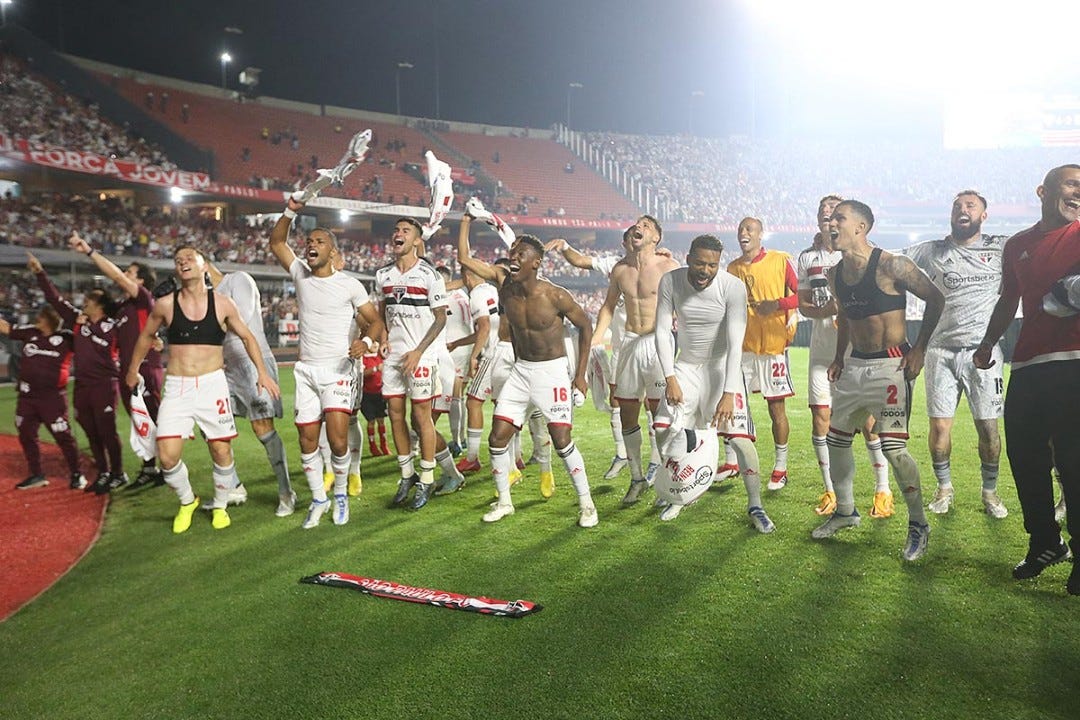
{"x":484,"y":302}
{"x":408,"y":299}
{"x":459,"y":321}
{"x":970,"y":278}
{"x":813,"y":267}
{"x":242,"y":290}
{"x":327,"y":312}
{"x":766,"y":278}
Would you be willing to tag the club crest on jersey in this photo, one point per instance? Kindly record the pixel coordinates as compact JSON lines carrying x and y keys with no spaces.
{"x":399,"y":292}
{"x":55,"y":340}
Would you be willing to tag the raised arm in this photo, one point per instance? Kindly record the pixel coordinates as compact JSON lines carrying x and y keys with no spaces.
{"x":279,"y":236}
{"x":570,"y":310}
{"x":68,"y":312}
{"x":572,"y":256}
{"x":107,"y":267}
{"x":467,"y":261}
{"x":236,"y":325}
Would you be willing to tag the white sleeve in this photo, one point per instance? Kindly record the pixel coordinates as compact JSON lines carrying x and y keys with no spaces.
{"x":665,"y":311}
{"x":604,"y":265}
{"x":245,"y":293}
{"x":437,"y":292}
{"x":359,"y":295}
{"x":802,"y":271}
{"x":735,"y":326}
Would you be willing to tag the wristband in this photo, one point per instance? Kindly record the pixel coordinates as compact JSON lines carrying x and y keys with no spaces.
{"x":289,"y":213}
{"x":90,"y":252}
{"x":368,"y":341}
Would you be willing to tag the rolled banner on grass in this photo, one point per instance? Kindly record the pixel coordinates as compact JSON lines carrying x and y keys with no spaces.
{"x":425,"y":596}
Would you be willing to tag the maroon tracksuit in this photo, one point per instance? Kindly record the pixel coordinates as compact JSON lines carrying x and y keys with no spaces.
{"x":97,"y":385}
{"x":130,"y":320}
{"x":43,"y":376}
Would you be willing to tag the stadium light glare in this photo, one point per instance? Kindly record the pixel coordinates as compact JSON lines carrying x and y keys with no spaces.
{"x":344,"y":215}
{"x":3,"y":11}
{"x":919,"y":44}
{"x":226,"y":58}
{"x":176,"y":195}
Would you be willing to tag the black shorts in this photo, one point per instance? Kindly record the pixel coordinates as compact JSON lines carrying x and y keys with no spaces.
{"x":372,"y":406}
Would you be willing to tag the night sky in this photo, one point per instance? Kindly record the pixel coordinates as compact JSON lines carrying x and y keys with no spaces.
{"x":503,"y":62}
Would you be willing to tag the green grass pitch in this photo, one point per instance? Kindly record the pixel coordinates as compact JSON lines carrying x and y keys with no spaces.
{"x":701,"y":617}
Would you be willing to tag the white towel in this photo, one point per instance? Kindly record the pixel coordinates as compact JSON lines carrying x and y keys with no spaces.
{"x":143,"y":435}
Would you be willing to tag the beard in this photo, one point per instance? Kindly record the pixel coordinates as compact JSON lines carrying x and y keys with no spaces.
{"x":960,"y":232}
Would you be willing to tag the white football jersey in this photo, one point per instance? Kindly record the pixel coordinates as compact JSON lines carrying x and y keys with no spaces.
{"x":459,"y":322}
{"x":408,"y":299}
{"x":813,"y":267}
{"x":327,"y":313}
{"x":242,"y":290}
{"x":970,"y":278}
{"x":484,"y":301}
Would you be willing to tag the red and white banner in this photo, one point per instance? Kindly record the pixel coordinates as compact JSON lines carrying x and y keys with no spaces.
{"x":439,"y":598}
{"x":94,"y":164}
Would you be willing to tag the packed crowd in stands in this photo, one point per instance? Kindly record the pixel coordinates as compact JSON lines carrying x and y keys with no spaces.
{"x":722,"y":180}
{"x":46,"y":116}
{"x":118,"y":228}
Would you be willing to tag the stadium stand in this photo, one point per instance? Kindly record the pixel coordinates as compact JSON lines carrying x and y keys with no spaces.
{"x":534,"y":173}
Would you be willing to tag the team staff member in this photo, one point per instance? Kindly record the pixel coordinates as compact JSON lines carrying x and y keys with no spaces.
{"x":136,"y":281}
{"x":1044,"y":385}
{"x":97,"y":386}
{"x":43,"y":374}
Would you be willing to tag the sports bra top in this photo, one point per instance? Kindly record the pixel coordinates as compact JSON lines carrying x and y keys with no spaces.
{"x":865,"y":298}
{"x":184,"y":331}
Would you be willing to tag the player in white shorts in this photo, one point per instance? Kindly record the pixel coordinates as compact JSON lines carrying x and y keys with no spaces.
{"x":704,"y":386}
{"x":638,"y":374}
{"x":966,"y":267}
{"x":484,"y":309}
{"x":413,"y":300}
{"x":870,"y":287}
{"x":195,"y":391}
{"x":451,"y":480}
{"x":604,"y":266}
{"x":533,"y":309}
{"x":356,"y":438}
{"x":330,"y":303}
{"x":247,"y":398}
{"x":460,"y":336}
{"x":817,"y":304}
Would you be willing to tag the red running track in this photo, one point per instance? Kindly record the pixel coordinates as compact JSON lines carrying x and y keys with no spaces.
{"x":44,"y":531}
